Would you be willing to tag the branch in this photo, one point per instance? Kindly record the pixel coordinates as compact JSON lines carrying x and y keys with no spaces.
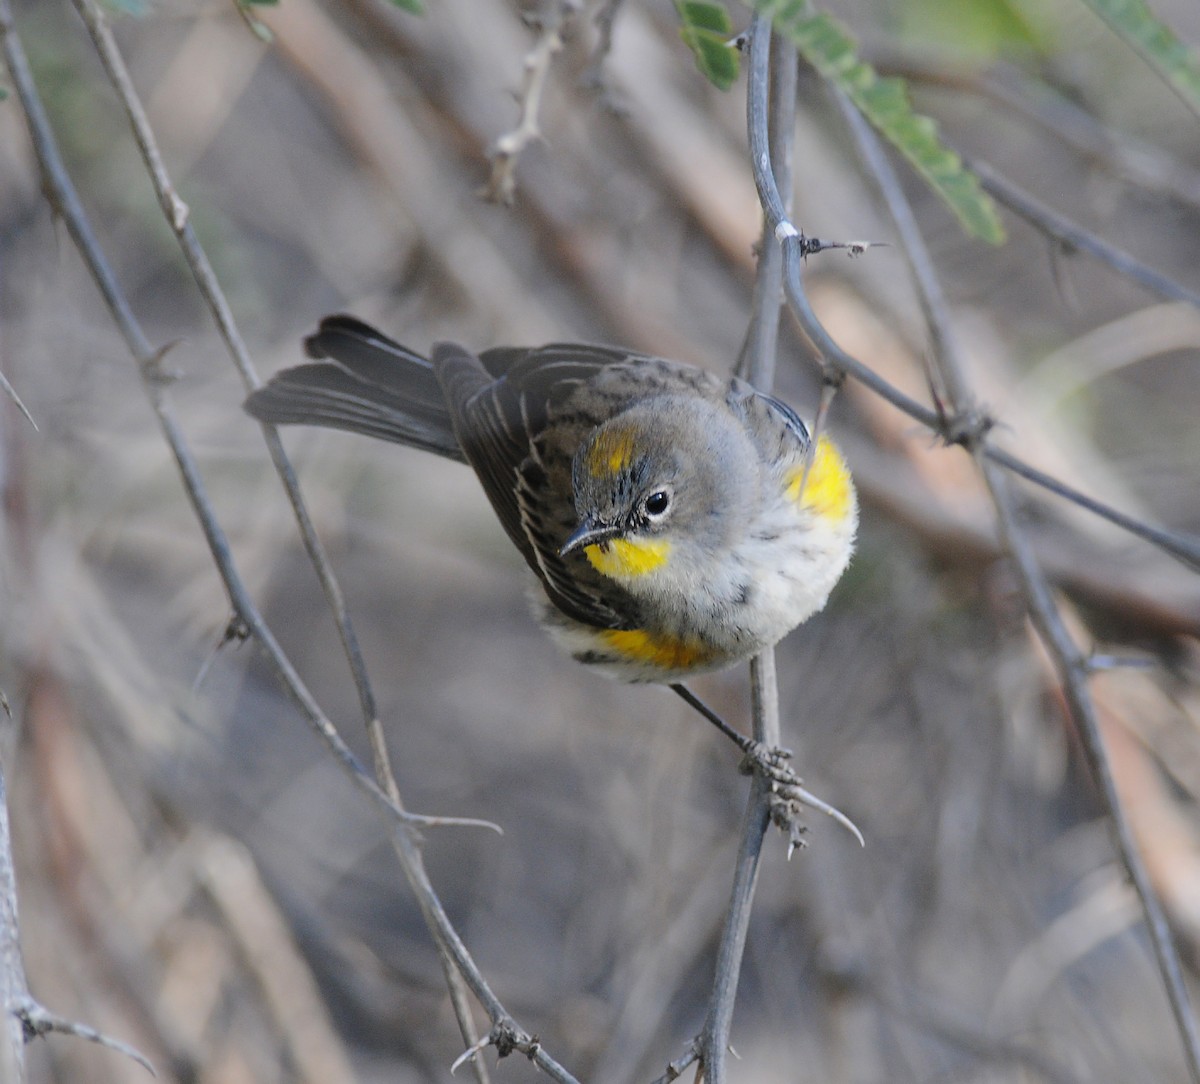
{"x":773,"y":71}
{"x":953,"y":430}
{"x":176,"y":212}
{"x":1070,"y":663}
{"x":501,"y":186}
{"x":24,"y":1017}
{"x":1074,"y":238}
{"x":61,"y":193}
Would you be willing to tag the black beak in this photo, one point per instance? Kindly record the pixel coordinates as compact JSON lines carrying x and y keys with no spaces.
{"x":588,"y":533}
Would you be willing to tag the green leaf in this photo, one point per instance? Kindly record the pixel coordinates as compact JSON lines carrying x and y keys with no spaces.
{"x":415,"y":6}
{"x":984,"y":29}
{"x":1136,"y":23}
{"x":884,"y":102}
{"x":706,"y":29}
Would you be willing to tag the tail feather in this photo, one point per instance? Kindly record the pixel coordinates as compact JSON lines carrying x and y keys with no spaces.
{"x":364,"y":383}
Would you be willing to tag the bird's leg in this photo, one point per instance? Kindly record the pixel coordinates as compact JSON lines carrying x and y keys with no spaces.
{"x":787,"y":793}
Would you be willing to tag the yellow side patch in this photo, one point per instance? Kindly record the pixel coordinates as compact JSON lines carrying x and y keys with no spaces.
{"x":668,"y":653}
{"x":827,"y":490}
{"x":626,"y":558}
{"x":611,"y":451}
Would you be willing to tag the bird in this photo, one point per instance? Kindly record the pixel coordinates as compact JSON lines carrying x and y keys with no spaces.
{"x":676,"y":521}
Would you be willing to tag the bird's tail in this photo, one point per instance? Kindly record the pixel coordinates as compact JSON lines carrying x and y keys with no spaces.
{"x":363,"y":382}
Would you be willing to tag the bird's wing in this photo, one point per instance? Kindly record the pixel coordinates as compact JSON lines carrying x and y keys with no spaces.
{"x":500,"y":404}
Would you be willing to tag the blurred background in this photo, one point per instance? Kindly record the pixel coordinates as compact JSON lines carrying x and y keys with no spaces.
{"x":199,"y":879}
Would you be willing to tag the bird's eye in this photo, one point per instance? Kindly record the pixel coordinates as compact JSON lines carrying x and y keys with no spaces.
{"x":657,"y":503}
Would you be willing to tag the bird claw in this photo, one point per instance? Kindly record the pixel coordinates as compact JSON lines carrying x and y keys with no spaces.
{"x":787,"y":795}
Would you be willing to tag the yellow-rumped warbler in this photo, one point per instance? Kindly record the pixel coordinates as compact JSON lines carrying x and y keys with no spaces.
{"x":675,"y":520}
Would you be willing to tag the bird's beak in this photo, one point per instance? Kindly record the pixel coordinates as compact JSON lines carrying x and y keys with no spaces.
{"x":588,"y":533}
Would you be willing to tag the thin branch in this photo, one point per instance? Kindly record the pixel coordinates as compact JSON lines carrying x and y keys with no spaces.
{"x":501,"y":186}
{"x":768,"y":61}
{"x":796,"y":246}
{"x":593,"y":76}
{"x":39,"y":1022}
{"x":1072,"y":666}
{"x":178,"y":218}
{"x":1073,"y":671}
{"x":14,"y":987}
{"x":787,"y":792}
{"x":61,"y":193}
{"x":175,"y":210}
{"x":1073,"y":237}
{"x":24,"y":1017}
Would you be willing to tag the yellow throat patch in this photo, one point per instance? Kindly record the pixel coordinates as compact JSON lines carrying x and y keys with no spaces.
{"x":627,"y":558}
{"x":827,"y":490}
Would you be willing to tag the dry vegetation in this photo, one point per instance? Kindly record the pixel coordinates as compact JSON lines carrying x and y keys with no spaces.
{"x":198,"y":877}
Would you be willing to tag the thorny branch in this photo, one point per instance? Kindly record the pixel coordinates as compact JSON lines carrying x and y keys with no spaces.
{"x":1069,"y":661}
{"x":778,"y":244}
{"x":501,"y":186}
{"x":24,"y":1017}
{"x":952,"y":430}
{"x":1074,"y":238}
{"x":776,"y":62}
{"x":972,"y":431}
{"x":178,"y":217}
{"x":60,"y":191}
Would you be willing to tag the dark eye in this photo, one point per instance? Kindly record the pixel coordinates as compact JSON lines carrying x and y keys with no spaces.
{"x":657,"y":503}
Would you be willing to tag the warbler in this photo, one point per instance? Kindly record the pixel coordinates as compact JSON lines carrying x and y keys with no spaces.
{"x":677,"y":521}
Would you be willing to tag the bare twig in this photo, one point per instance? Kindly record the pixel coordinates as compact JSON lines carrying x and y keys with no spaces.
{"x":14,"y":988}
{"x":1072,"y":666}
{"x":39,"y":1022}
{"x":61,"y":192}
{"x":24,"y":1017}
{"x":768,"y":61}
{"x":1074,"y":238}
{"x":501,"y":186}
{"x":178,"y":218}
{"x":1069,"y":661}
{"x":593,"y":75}
{"x":952,"y":430}
{"x":680,"y":1065}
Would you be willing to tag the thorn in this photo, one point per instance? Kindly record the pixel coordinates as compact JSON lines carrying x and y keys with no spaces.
{"x":11,"y":392}
{"x":470,"y":1053}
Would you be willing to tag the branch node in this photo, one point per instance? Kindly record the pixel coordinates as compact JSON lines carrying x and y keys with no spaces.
{"x":153,"y":369}
{"x":38,"y":1021}
{"x":505,"y":1037}
{"x":679,"y":1066}
{"x":968,"y":428}
{"x":178,"y":211}
{"x":785,"y":229}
